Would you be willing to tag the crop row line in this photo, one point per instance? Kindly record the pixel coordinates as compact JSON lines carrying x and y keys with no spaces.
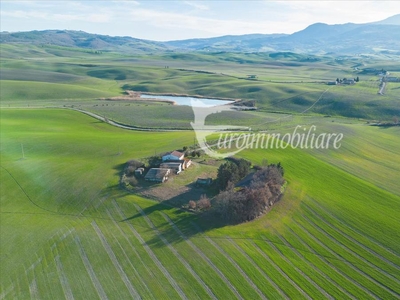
{"x":353,"y":229}
{"x":152,"y":255}
{"x":114,"y":260}
{"x":95,"y":281}
{"x":33,"y":289}
{"x":314,"y":267}
{"x":277,"y":268}
{"x":6,"y":291}
{"x":312,"y":282}
{"x":335,"y":255}
{"x":203,"y":256}
{"x":266,"y":277}
{"x":128,"y":258}
{"x":63,"y":279}
{"x":177,"y":255}
{"x":341,"y":245}
{"x":240,"y":270}
{"x":356,"y":242}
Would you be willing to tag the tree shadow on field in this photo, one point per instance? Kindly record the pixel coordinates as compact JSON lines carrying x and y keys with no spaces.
{"x":119,"y":168}
{"x":177,"y":225}
{"x":174,"y":222}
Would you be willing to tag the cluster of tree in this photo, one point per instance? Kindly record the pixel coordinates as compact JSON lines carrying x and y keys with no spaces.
{"x":231,"y":172}
{"x":338,"y":80}
{"x":128,"y":174}
{"x":248,"y":103}
{"x":203,"y":204}
{"x":154,"y":161}
{"x":192,"y":152}
{"x":132,"y":165}
{"x":234,"y":206}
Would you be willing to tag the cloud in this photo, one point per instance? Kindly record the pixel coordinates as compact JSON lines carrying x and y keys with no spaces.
{"x":165,"y":20}
{"x":66,"y":17}
{"x":206,"y":26}
{"x":196,"y":5}
{"x":337,"y":12}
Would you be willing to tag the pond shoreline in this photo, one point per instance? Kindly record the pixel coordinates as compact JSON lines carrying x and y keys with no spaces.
{"x":140,"y":96}
{"x":187,"y":95}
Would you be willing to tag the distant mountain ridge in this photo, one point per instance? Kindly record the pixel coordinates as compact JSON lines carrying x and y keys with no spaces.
{"x":319,"y":38}
{"x":81,"y":39}
{"x":393,"y":20}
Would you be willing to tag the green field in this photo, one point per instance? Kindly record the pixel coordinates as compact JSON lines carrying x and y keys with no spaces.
{"x":66,"y":227}
{"x":283,"y":83}
{"x":69,"y":231}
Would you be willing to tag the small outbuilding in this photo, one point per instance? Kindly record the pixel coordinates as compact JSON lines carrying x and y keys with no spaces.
{"x":157,"y":175}
{"x":139,"y":171}
{"x":174,"y":166}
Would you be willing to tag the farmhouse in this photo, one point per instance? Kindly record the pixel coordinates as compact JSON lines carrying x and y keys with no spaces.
{"x":177,"y":157}
{"x":175,"y":166}
{"x":348,"y":81}
{"x":332,"y":82}
{"x":173,"y":156}
{"x":157,"y":175}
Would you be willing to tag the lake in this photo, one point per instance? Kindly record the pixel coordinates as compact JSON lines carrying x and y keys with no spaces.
{"x":182,"y":100}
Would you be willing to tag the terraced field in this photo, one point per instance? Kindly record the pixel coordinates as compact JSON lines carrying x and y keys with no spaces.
{"x":68,"y":231}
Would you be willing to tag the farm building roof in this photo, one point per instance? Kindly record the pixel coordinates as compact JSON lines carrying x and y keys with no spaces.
{"x":176,"y":153}
{"x":157,"y":173}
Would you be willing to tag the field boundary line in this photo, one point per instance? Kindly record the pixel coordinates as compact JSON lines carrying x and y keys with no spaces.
{"x":175,"y":252}
{"x":150,"y":252}
{"x":25,"y":193}
{"x":110,"y":252}
{"x":123,"y":126}
{"x":203,"y":256}
{"x":95,"y":281}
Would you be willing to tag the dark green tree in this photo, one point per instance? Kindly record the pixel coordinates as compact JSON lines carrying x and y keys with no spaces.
{"x":227,"y":172}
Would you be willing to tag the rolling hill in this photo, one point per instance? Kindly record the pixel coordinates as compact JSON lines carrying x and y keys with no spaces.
{"x":81,"y":39}
{"x":318,"y":38}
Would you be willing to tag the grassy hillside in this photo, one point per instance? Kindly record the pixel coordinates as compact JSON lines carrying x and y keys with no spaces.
{"x":67,"y":230}
{"x":284,"y":82}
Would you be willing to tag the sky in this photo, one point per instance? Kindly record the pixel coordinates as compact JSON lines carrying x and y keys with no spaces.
{"x":175,"y":20}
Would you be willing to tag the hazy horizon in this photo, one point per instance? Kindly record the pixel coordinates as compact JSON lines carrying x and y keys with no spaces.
{"x":177,"y":20}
